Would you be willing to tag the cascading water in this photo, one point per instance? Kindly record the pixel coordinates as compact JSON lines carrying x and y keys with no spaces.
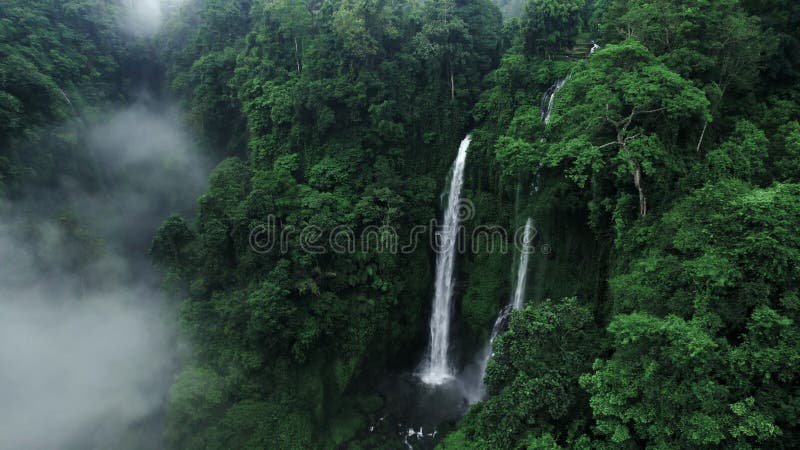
{"x":477,"y":392}
{"x":437,"y":368}
{"x":550,"y":96}
{"x":474,"y":389}
{"x":522,"y":270}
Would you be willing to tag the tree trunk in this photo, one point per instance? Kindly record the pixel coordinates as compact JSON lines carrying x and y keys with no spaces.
{"x":297,"y":55}
{"x":452,"y":86}
{"x":702,"y":135}
{"x":637,"y":181}
{"x":637,"y":171}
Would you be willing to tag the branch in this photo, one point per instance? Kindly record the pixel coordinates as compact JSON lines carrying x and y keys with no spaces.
{"x":702,"y":135}
{"x":628,"y":120}
{"x":632,"y":137}
{"x":607,"y":145}
{"x":653,"y":110}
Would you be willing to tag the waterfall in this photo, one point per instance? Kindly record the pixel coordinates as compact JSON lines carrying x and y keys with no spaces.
{"x":594,"y":48}
{"x":545,"y":109}
{"x":475,"y":391}
{"x":478,"y":392}
{"x":522,"y":271}
{"x":66,"y":98}
{"x":550,"y":96}
{"x":436,"y":367}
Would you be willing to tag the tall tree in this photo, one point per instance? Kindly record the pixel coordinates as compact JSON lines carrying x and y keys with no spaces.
{"x":616,"y":113}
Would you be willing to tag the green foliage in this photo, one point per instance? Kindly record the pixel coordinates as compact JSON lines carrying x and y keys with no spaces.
{"x":58,"y":61}
{"x":717,"y":42}
{"x":786,"y":154}
{"x":196,"y":396}
{"x":665,"y":184}
{"x":672,"y":384}
{"x":729,"y":244}
{"x":533,"y":374}
{"x":486,"y":271}
{"x":346,"y":113}
{"x":659,"y":367}
{"x":550,"y":26}
{"x":169,"y":244}
{"x":741,"y":156}
{"x":616,"y":117}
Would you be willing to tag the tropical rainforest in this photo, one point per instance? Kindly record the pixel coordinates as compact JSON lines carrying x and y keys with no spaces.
{"x":654,"y":144}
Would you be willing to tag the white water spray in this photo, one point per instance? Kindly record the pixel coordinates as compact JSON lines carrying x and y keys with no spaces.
{"x":437,"y":368}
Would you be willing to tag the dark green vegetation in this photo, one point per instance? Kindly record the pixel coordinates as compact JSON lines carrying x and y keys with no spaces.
{"x":666,"y":315}
{"x":45,"y":51}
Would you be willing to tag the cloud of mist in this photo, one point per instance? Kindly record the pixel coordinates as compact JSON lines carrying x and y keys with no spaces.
{"x":152,"y":169}
{"x":87,"y":343}
{"x":77,"y":374}
{"x":145,"y":17}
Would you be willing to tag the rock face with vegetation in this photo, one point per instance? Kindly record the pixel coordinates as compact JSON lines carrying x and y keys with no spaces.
{"x":662,"y":299}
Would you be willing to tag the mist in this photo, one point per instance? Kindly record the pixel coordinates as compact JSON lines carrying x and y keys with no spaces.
{"x":78,"y":373}
{"x":145,"y":17}
{"x":87,"y":344}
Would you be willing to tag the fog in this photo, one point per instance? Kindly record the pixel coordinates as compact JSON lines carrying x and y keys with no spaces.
{"x":87,"y":348}
{"x":78,"y":374}
{"x":152,"y":169}
{"x":145,"y":17}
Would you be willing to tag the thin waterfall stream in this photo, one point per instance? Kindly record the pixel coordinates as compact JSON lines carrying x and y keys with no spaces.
{"x":417,"y":403}
{"x":518,"y":300}
{"x":476,"y":391}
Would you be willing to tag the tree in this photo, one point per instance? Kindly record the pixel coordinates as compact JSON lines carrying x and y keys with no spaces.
{"x":533,"y":375}
{"x":292,"y":22}
{"x":353,"y":23}
{"x":786,"y":155}
{"x":661,"y":385}
{"x":58,"y":62}
{"x":741,"y":156}
{"x":614,"y":107}
{"x":550,"y":26}
{"x":716,"y":43}
{"x":442,"y":38}
{"x":457,"y":36}
{"x":168,"y":248}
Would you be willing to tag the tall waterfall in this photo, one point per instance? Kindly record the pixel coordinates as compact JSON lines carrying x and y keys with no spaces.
{"x":522,"y":271}
{"x":549,"y":97}
{"x":436,"y":367}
